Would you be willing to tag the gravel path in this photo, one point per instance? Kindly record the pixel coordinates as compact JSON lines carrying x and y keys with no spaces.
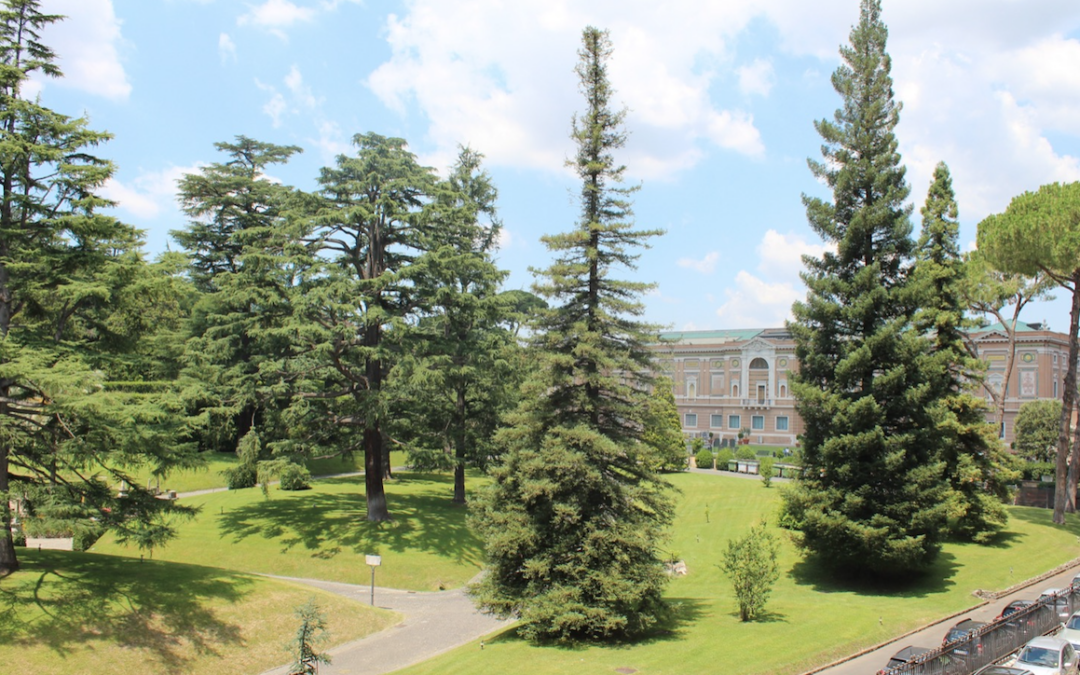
{"x":433,"y":623}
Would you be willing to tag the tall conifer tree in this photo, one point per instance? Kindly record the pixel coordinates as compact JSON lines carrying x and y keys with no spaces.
{"x":574,"y":514}
{"x":973,"y":456}
{"x":870,"y":498}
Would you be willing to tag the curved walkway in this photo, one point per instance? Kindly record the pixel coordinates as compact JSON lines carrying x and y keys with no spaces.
{"x":433,"y":623}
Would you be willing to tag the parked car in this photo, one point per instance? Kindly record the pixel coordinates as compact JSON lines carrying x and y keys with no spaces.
{"x":1071,"y":630}
{"x":904,"y":657}
{"x":1001,"y":670}
{"x":959,"y":633}
{"x":1048,"y":656}
{"x":1058,"y":600}
{"x":1076,"y":582}
{"x":1015,"y":606}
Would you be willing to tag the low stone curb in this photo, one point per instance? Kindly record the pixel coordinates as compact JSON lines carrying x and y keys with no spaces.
{"x":987,"y":596}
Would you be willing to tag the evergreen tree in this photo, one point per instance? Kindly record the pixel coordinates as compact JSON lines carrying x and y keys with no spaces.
{"x":663,"y":431}
{"x":574,"y":514}
{"x":871,"y":496}
{"x":972,"y":454}
{"x":236,"y":213}
{"x":356,"y":303}
{"x":64,"y":431}
{"x":456,"y":379}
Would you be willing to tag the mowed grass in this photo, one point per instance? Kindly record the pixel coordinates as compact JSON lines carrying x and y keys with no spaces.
{"x":323,"y":533}
{"x":209,"y":475}
{"x":812,"y":619}
{"x":70,"y":613}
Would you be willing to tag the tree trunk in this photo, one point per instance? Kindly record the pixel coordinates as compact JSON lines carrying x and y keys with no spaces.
{"x":377,"y":511}
{"x":1074,"y":470}
{"x":1067,"y":404}
{"x":459,"y":448}
{"x":8,"y":560}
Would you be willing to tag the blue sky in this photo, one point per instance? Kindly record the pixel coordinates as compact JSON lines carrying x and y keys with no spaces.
{"x":722,"y":97}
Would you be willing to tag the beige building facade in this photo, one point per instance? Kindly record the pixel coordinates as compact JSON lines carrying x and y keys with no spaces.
{"x":727,"y":381}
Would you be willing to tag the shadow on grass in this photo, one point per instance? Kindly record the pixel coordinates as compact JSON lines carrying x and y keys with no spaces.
{"x":812,"y":572}
{"x":1045,"y":517}
{"x":328,"y":524}
{"x":62,"y":600}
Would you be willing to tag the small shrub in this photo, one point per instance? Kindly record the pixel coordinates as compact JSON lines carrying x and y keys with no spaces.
{"x":295,"y":477}
{"x":751,"y":564}
{"x":18,"y":536}
{"x":766,"y":470}
{"x":241,"y":476}
{"x":704,"y":459}
{"x":745,"y":452}
{"x":311,"y":633}
{"x":722,"y":458}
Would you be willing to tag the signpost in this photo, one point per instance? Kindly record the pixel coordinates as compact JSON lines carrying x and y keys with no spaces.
{"x":374,"y":561}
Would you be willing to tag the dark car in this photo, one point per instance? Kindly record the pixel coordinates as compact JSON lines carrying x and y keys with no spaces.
{"x":960,"y":633}
{"x":904,"y":657}
{"x":1015,"y":606}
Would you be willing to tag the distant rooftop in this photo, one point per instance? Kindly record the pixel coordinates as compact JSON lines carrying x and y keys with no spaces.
{"x":1021,"y":327}
{"x":734,"y":335}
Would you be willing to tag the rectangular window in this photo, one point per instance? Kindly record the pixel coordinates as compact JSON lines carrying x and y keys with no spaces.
{"x":691,"y":420}
{"x":757,"y":422}
{"x":733,"y":422}
{"x":781,"y":424}
{"x":716,"y":421}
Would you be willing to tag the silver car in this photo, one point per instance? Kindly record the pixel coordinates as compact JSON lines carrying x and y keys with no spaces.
{"x":1048,"y":656}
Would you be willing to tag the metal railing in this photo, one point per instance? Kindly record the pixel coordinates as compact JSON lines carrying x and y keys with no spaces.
{"x":994,"y":641}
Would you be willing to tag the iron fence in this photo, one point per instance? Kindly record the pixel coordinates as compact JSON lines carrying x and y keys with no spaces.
{"x":994,"y":641}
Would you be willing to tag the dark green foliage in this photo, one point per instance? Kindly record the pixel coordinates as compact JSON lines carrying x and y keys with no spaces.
{"x":976,"y":470}
{"x":241,"y":476}
{"x":745,"y":452}
{"x":1036,"y":430}
{"x":662,"y":428}
{"x":574,"y":516}
{"x":750,"y":562}
{"x":70,"y":299}
{"x":309,"y":635}
{"x":871,"y":499}
{"x":294,"y":477}
{"x":704,"y":458}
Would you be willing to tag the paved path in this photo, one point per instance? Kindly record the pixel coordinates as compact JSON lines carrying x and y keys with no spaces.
{"x":433,"y":623}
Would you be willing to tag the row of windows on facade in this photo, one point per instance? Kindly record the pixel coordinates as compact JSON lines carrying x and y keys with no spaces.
{"x":734,"y":422}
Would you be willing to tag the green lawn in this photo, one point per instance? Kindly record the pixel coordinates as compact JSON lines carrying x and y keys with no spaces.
{"x":209,"y":476}
{"x":811,"y":619}
{"x":70,"y":613}
{"x":321,"y":533}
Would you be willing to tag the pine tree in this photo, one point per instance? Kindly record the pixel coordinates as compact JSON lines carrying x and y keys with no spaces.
{"x":972,"y":454}
{"x":575,"y":512}
{"x":870,"y":499}
{"x":65,"y":430}
{"x":663,"y":430}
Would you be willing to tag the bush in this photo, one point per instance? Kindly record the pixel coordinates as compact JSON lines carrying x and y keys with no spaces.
{"x":241,"y":476}
{"x":766,"y":470}
{"x":18,"y":536}
{"x":295,"y":477}
{"x":745,"y":452}
{"x":704,"y":459}
{"x":722,"y":458}
{"x":751,"y":564}
{"x":1036,"y":470}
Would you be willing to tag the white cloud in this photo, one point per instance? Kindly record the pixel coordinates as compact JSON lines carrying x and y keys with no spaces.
{"x":499,"y":76}
{"x":706,"y":265}
{"x":226,"y":48}
{"x":150,"y":193}
{"x":300,"y":101}
{"x":756,"y":303}
{"x":87,"y":45}
{"x":275,"y":16}
{"x":756,"y":78}
{"x":781,"y":254}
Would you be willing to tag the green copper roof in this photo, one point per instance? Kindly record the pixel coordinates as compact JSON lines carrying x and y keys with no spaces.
{"x":734,"y":334}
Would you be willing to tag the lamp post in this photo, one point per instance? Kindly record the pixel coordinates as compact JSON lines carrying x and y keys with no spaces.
{"x":374,"y":561}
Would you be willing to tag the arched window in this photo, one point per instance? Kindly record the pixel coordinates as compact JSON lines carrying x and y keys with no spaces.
{"x":759,"y":364}
{"x":735,"y":391}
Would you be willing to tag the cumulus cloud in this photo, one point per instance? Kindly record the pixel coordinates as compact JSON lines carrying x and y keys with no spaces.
{"x":781,"y":254}
{"x":757,"y":303}
{"x":499,"y":76}
{"x":87,"y":44}
{"x":295,"y":100}
{"x":706,"y":265}
{"x":150,"y":193}
{"x":275,"y":16}
{"x":226,"y":48}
